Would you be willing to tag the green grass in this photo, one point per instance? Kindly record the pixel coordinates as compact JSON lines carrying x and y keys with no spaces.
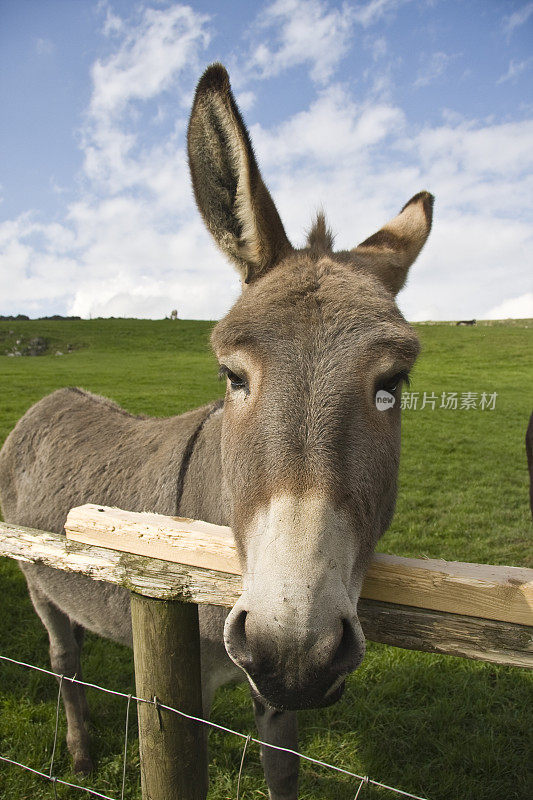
{"x":438,"y":726}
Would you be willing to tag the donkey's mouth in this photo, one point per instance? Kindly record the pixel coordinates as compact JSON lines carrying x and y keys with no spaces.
{"x":297,"y":701}
{"x":332,"y":696}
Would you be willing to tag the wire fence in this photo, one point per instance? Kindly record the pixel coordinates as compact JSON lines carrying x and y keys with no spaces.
{"x":360,"y":780}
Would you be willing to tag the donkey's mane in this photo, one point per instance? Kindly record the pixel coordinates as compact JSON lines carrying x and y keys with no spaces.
{"x":320,"y":237}
{"x":104,"y":401}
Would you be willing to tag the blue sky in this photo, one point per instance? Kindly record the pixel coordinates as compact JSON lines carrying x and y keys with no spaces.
{"x":352,"y":106}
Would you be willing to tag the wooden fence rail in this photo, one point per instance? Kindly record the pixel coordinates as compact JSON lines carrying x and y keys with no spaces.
{"x":472,"y":610}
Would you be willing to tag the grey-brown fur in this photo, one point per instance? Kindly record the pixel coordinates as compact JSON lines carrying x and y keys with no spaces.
{"x":320,"y":238}
{"x":299,"y":462}
{"x":215,"y":178}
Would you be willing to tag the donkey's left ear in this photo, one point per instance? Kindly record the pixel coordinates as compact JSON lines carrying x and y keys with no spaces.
{"x":390,"y":252}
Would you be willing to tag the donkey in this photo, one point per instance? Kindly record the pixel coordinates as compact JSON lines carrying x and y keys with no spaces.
{"x":300,"y":459}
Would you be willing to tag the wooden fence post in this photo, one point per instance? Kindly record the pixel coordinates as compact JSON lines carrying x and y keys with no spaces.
{"x":173,"y":749}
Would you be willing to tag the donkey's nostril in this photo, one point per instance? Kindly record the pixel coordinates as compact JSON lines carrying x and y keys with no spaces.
{"x":347,"y":655}
{"x":235,"y":638}
{"x":238,"y":627}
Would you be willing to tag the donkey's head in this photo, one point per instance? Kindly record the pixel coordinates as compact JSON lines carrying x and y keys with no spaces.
{"x":310,"y":458}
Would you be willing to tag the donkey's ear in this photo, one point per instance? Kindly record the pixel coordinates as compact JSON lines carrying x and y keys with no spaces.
{"x":390,"y":252}
{"x":230,"y":193}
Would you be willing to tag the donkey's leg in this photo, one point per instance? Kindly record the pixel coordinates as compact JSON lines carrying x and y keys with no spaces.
{"x":79,"y":635}
{"x":281,"y":769}
{"x":65,"y":660}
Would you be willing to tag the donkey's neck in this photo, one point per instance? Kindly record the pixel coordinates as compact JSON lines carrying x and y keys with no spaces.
{"x":202,"y":491}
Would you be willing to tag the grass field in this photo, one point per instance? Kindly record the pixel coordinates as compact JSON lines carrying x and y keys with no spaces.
{"x":438,"y":726}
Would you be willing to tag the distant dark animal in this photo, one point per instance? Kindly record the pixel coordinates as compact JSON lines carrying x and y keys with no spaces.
{"x":299,"y":461}
{"x":466,"y":322}
{"x":529,"y":454}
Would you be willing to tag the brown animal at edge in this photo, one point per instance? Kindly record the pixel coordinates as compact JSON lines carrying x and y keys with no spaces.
{"x":299,"y":461}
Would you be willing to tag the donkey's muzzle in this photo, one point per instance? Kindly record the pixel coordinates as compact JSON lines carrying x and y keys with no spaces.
{"x":305,"y":670}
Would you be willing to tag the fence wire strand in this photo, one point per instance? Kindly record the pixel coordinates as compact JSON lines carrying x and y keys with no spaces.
{"x":363,"y":779}
{"x":247,"y":742}
{"x":55,"y":780}
{"x":364,"y":782}
{"x":125,"y":748}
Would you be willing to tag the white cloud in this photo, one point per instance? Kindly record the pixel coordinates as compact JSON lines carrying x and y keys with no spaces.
{"x":133,"y":261}
{"x":150,"y":56}
{"x":516,"y":68}
{"x":433,"y":68}
{"x":514,"y":308}
{"x":148,"y":59}
{"x":367,"y":14}
{"x":468,"y":261}
{"x":293,"y":32}
{"x":245,"y":100}
{"x":44,"y":47}
{"x":378,"y":47}
{"x":113,"y":23}
{"x":113,"y":257}
{"x":481,"y":176}
{"x":34,"y":263}
{"x":308,"y":134}
{"x":517,"y":19}
{"x":475,"y":150}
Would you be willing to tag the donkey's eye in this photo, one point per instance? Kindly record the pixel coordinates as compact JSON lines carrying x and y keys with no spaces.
{"x":236,"y":381}
{"x":394,"y":382}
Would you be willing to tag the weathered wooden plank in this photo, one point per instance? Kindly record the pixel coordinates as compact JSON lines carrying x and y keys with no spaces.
{"x":156,"y":578}
{"x":401,"y":626}
{"x":477,"y":590}
{"x":450,"y":634}
{"x":178,"y":539}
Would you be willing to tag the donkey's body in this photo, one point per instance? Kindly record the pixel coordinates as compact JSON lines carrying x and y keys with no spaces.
{"x":126,"y":461}
{"x":73,"y":447}
{"x":301,"y":462}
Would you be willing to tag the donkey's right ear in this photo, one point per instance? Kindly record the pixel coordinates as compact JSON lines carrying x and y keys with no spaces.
{"x":233,"y":200}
